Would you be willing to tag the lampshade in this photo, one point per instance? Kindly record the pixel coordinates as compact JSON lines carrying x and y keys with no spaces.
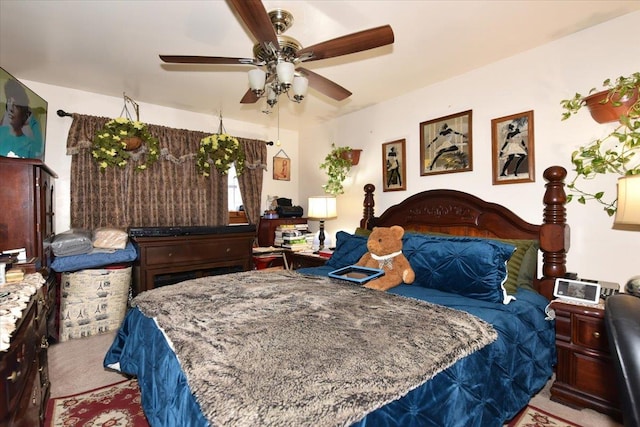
{"x":300,"y":85}
{"x":271,"y":95}
{"x":628,"y":210}
{"x":285,"y":71}
{"x":257,"y":79}
{"x":322,"y":207}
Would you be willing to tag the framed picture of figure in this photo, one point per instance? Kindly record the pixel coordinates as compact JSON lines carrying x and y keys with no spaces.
{"x":23,"y":119}
{"x":512,"y":152}
{"x":445,"y":144}
{"x":394,"y":170}
{"x":281,"y":166}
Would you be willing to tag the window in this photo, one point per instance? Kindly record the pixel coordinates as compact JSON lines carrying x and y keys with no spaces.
{"x":236,"y":216}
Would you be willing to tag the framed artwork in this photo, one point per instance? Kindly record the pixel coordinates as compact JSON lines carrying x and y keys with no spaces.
{"x":512,"y":150}
{"x":394,"y":170}
{"x":23,"y":119}
{"x":445,"y":144}
{"x":281,"y":166}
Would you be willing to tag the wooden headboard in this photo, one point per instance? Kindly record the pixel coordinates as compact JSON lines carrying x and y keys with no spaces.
{"x":462,"y":214}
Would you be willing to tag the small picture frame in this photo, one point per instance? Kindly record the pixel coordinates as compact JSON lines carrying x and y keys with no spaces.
{"x":445,"y":144}
{"x":394,"y":166}
{"x":512,"y":149}
{"x":281,"y":166}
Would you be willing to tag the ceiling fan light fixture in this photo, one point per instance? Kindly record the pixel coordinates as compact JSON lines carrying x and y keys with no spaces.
{"x":300,"y":86}
{"x":257,"y":79}
{"x":272,"y":96}
{"x":285,"y":72}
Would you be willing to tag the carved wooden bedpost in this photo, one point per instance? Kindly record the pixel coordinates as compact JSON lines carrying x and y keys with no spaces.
{"x":554,"y":232}
{"x":368,"y":204}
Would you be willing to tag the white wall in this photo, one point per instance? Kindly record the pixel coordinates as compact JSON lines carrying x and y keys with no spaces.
{"x":75,"y":101}
{"x":535,"y":80}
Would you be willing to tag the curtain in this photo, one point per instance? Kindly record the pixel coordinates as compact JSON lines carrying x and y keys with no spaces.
{"x":250,"y":181}
{"x":170,"y":192}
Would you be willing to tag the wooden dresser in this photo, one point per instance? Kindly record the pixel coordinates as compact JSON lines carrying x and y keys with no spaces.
{"x":27,"y":221}
{"x":585,"y":374}
{"x":24,"y":372}
{"x":165,"y":260}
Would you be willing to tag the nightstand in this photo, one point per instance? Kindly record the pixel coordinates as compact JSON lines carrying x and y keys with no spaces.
{"x":304,"y":259}
{"x":585,"y":374}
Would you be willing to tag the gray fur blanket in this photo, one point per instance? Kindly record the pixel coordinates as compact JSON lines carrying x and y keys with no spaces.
{"x":283,"y":349}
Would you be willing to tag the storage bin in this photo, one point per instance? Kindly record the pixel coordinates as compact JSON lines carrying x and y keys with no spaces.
{"x":93,"y":301}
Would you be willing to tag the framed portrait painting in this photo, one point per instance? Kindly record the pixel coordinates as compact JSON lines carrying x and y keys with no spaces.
{"x":23,"y":119}
{"x":512,"y":149}
{"x":394,"y":171}
{"x":281,"y":166}
{"x":445,"y":144}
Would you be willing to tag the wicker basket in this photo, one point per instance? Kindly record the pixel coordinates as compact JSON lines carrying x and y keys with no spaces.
{"x":93,"y":301}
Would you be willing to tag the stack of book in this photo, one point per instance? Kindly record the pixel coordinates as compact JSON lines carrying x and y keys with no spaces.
{"x":293,"y":237}
{"x":325,"y":253}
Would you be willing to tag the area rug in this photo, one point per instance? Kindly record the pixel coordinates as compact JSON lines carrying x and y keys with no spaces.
{"x":116,"y":405}
{"x":534,"y":417}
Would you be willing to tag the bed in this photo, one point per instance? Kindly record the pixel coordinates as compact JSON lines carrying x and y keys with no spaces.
{"x":467,"y":344}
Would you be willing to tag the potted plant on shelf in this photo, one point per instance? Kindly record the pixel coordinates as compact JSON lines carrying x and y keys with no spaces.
{"x":220,"y":150}
{"x":121,"y":139}
{"x":616,"y":152}
{"x":337,"y":165}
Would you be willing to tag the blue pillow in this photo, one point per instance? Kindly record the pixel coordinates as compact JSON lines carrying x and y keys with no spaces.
{"x":475,"y":268}
{"x":349,"y":249}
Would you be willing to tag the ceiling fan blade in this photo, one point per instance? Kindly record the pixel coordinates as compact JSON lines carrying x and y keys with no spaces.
{"x":221,"y":60}
{"x":352,"y":43}
{"x":257,"y":20}
{"x":249,"y":97}
{"x":324,"y":85}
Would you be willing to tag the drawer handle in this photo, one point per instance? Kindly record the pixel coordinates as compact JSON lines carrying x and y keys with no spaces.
{"x":44,"y":343}
{"x":596,"y":334}
{"x":14,"y":376}
{"x":228,"y":250}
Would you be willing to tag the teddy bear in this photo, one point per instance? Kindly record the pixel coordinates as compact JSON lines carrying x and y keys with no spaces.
{"x":385,"y":252}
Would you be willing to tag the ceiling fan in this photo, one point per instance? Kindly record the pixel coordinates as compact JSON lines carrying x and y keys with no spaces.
{"x":277,"y":57}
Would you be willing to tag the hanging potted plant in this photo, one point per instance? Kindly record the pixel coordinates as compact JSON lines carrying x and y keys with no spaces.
{"x":122,"y":139}
{"x":352,"y":155}
{"x":115,"y":143}
{"x":616,"y":152}
{"x":220,"y":150}
{"x":337,"y":166}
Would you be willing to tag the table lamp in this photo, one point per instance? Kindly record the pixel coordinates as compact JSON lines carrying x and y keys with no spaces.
{"x":320,"y":209}
{"x":628,"y":217}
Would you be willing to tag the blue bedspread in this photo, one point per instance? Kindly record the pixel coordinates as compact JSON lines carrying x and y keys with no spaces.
{"x":484,"y":389}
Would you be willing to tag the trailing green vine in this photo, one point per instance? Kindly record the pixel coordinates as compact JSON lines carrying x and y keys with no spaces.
{"x":615,"y":153}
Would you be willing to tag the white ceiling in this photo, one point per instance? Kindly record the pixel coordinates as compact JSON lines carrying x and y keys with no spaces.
{"x":112,"y":46}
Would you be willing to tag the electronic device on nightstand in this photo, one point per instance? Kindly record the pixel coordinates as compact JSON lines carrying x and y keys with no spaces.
{"x":583,"y":290}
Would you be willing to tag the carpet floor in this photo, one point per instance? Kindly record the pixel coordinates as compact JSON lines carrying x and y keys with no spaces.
{"x":75,"y":367}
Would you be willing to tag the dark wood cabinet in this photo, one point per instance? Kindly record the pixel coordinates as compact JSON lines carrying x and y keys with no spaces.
{"x":27,"y":214}
{"x":585,"y":373}
{"x":170,"y":259}
{"x":27,"y":221}
{"x":24,"y":372}
{"x":267,"y":228}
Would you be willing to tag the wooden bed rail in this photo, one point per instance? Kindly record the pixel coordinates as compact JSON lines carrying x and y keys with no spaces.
{"x":458,"y":213}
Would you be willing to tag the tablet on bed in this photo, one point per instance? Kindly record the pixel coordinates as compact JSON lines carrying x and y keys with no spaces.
{"x":357,"y":274}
